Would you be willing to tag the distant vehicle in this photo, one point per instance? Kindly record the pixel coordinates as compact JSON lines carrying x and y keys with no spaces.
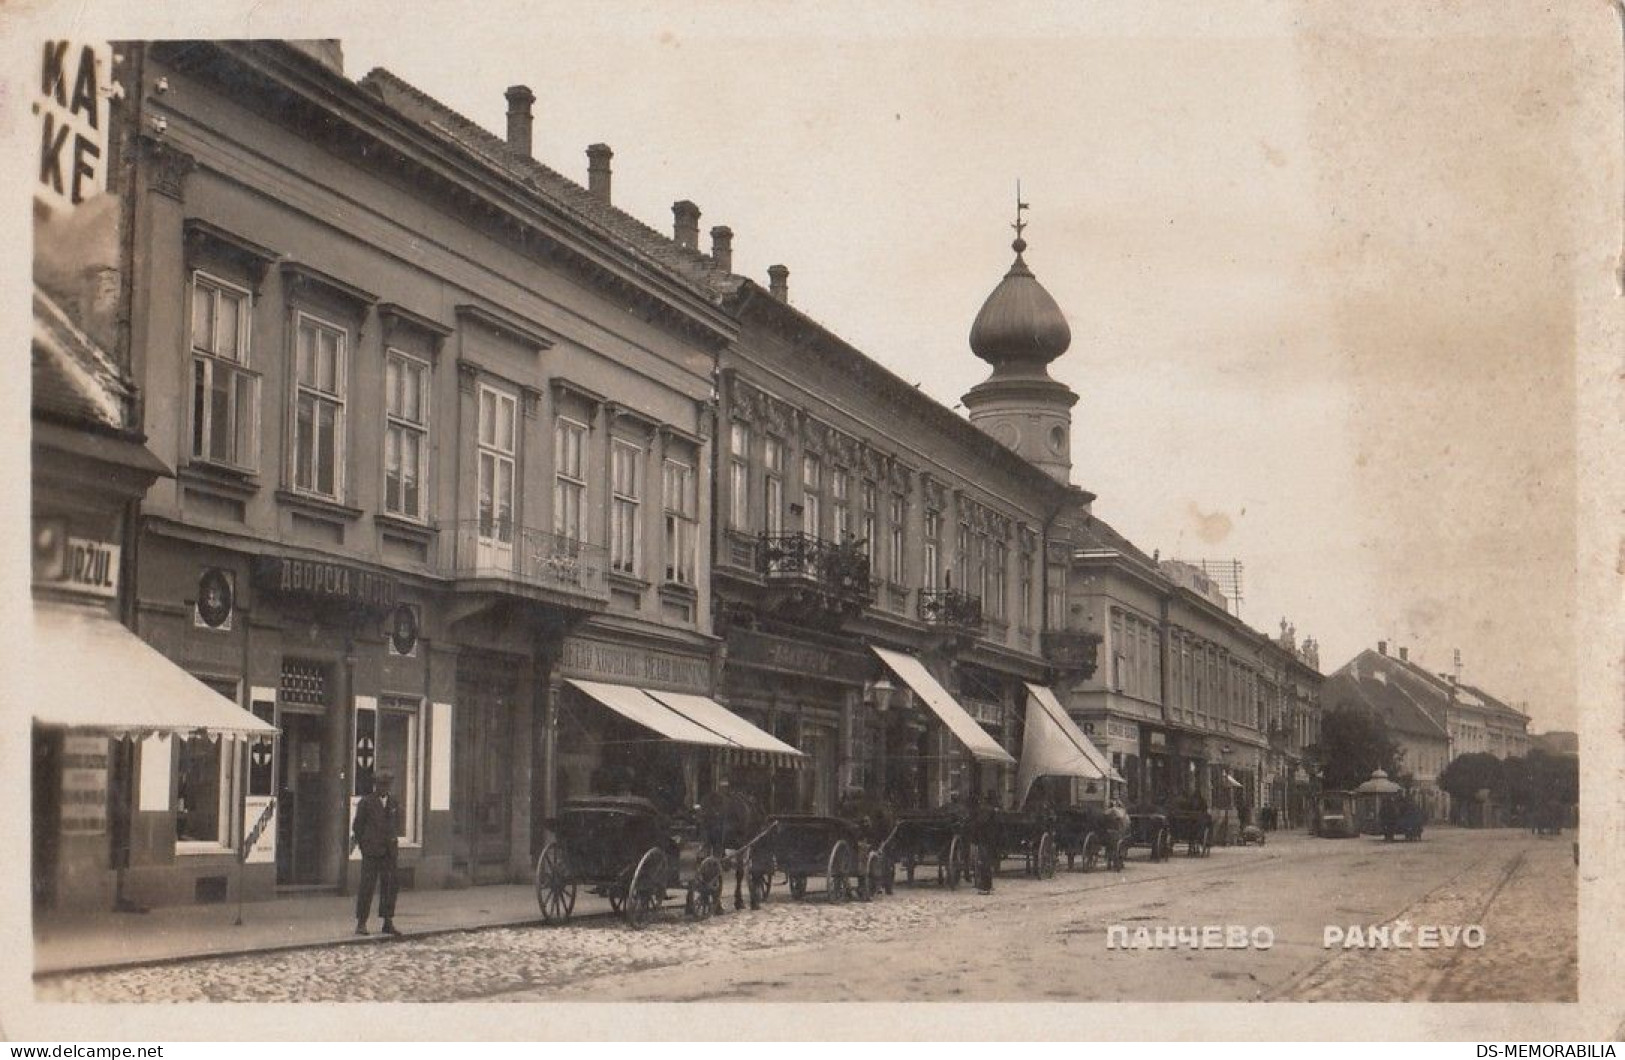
{"x":1336,"y":815}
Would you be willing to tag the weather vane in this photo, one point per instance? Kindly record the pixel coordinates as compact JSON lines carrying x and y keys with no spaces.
{"x":1020,"y":206}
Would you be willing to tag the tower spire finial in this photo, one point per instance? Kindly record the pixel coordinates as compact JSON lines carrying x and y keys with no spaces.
{"x":1020,"y":244}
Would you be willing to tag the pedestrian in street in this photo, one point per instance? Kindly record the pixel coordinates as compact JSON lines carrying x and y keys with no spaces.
{"x":377,"y":832}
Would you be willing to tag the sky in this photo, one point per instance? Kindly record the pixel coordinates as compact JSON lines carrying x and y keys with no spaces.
{"x":1318,"y":259}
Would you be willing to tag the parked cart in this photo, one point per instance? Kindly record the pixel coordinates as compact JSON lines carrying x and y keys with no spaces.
{"x":1151,"y":831}
{"x":934,"y":838}
{"x":804,"y":847}
{"x":624,"y":849}
{"x":1080,"y":835}
{"x":1027,"y":835}
{"x":1194,"y":828}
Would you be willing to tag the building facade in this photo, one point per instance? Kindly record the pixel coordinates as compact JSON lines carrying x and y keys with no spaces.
{"x":1189,"y":700}
{"x":438,"y":438}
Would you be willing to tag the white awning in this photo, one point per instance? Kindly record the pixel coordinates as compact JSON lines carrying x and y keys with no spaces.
{"x":724,"y":722}
{"x":635,"y":704}
{"x":90,"y":673}
{"x":975,"y":738}
{"x":1054,"y":746}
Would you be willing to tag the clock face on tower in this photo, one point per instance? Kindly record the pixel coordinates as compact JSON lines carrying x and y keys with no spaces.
{"x":1006,"y":434}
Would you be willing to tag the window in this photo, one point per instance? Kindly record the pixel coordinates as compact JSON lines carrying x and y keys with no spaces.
{"x":894,"y":552}
{"x":496,"y":468}
{"x":318,"y":426}
{"x":1027,"y":590}
{"x":204,"y":779}
{"x":998,"y":577}
{"x":812,"y":494}
{"x":739,"y":476}
{"x":773,"y":461}
{"x":840,"y":487}
{"x":570,"y":480}
{"x":933,"y":550}
{"x":399,"y":754}
{"x":225,"y":394}
{"x":962,"y":564}
{"x":870,"y":518}
{"x":625,"y":496}
{"x":1055,"y":599}
{"x":678,"y":499}
{"x":406,"y":435}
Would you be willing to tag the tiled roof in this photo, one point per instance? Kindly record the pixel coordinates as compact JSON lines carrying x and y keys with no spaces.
{"x":73,"y":378}
{"x":1389,"y":691}
{"x":695,"y":271}
{"x":1097,"y":533}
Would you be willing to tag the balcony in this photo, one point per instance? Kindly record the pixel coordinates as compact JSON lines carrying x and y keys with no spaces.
{"x":1072,"y":651}
{"x":490,"y":551}
{"x":952,"y":609}
{"x":813,"y":578}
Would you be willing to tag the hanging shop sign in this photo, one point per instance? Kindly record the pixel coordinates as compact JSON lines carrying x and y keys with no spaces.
{"x":72,"y":112}
{"x":319,"y":581}
{"x":76,"y":564}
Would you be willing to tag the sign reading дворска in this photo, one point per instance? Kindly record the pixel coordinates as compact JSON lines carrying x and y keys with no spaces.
{"x":72,"y":111}
{"x":323,"y":581}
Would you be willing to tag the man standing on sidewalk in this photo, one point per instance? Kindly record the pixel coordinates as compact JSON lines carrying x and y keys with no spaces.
{"x":377,"y":833}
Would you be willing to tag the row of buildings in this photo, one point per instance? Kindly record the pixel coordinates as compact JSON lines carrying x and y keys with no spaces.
{"x":364,"y":440}
{"x":1434,"y":717}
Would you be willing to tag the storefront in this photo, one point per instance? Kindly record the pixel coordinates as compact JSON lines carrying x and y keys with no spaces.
{"x":965,"y":757}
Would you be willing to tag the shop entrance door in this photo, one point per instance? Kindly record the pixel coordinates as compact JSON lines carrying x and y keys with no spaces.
{"x":482,"y":770}
{"x":299,"y":810}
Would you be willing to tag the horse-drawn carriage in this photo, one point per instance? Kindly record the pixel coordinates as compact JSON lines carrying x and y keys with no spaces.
{"x":1028,"y":835}
{"x":1194,"y":828}
{"x":929,"y":837}
{"x":1152,"y":831}
{"x":806,"y":846}
{"x":623,"y":848}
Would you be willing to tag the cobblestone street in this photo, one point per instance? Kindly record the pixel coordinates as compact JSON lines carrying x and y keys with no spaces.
{"x":1029,"y":940}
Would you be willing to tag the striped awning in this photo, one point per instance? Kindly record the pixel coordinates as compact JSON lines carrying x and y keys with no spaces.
{"x":685,"y":718}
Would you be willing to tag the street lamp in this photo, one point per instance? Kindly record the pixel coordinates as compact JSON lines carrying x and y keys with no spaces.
{"x":879,"y":693}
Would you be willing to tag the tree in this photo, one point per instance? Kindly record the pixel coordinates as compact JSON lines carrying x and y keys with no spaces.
{"x":1468,"y":774}
{"x":1353,"y":744}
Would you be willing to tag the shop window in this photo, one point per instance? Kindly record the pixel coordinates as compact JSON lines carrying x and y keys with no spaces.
{"x":406,"y":435}
{"x":225,"y":391}
{"x":205,"y":779}
{"x":399,"y":754}
{"x":319,"y":402}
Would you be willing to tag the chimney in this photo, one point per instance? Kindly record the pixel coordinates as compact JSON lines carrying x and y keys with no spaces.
{"x":778,"y":282}
{"x":519,"y":121}
{"x":598,"y":156}
{"x":1382,"y":647}
{"x":685,"y":227}
{"x":722,"y":247}
{"x":1404,"y":655}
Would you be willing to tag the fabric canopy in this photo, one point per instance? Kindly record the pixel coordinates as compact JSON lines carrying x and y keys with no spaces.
{"x":92,"y":673}
{"x":635,"y":704}
{"x":975,"y":738}
{"x":724,"y":722}
{"x":1053,"y":746}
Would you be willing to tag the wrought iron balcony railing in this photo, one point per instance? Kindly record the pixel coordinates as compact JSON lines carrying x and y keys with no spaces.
{"x":839,"y":569}
{"x":950,"y":607}
{"x":498,"y":549}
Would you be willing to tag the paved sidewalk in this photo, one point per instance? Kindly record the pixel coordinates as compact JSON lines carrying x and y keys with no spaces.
{"x":112,"y":940}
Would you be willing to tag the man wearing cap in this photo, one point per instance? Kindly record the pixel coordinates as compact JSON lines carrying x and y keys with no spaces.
{"x":377,"y":833}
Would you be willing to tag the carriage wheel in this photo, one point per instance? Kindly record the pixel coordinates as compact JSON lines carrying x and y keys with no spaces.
{"x":647,"y":890}
{"x":555,"y":892}
{"x":837,"y":870}
{"x":798,"y":886}
{"x":954,"y":869}
{"x":1091,"y":852}
{"x":1047,"y":858}
{"x":705,"y":890}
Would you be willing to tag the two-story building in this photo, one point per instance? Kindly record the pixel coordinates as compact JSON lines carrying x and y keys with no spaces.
{"x":1188,"y":699}
{"x":440,"y":434}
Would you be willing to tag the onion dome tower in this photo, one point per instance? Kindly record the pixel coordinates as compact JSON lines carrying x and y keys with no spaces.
{"x":1019,"y":331}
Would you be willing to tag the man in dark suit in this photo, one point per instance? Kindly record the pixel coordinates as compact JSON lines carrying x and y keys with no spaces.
{"x":377,"y":833}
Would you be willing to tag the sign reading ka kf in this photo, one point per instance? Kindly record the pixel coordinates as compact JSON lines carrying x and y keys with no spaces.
{"x":72,"y":110}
